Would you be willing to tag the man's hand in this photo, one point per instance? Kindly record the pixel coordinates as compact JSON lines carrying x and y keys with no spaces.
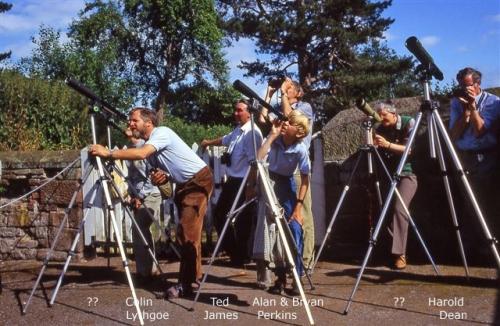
{"x":297,"y":215}
{"x":380,"y":141}
{"x":287,"y":83}
{"x":135,"y":203}
{"x":158,"y":177}
{"x":99,"y":150}
{"x":204,"y":144}
{"x":469,"y":102}
{"x":276,"y":128}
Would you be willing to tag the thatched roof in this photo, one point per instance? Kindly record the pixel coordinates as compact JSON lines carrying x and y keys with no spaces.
{"x":344,"y":133}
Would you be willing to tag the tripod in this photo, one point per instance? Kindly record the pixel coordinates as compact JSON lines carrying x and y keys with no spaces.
{"x":369,"y":150}
{"x":277,"y":215}
{"x":102,"y":184}
{"x":436,"y":126}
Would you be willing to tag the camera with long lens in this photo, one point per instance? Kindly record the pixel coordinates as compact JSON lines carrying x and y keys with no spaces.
{"x":276,"y":81}
{"x":459,"y":92}
{"x":226,"y":159}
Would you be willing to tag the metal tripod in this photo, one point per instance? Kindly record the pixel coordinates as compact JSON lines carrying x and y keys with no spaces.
{"x":437,"y":126}
{"x":102,"y":183}
{"x":155,"y":221}
{"x":369,"y":149}
{"x":277,"y":215}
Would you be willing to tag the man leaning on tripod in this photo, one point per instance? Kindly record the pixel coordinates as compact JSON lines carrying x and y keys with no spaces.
{"x":172,"y":159}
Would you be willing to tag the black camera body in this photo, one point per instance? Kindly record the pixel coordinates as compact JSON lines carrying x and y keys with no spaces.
{"x":277,"y":81}
{"x":459,"y":92}
{"x":226,"y":159}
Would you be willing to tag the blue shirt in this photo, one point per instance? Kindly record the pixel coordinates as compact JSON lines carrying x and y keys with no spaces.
{"x":489,"y":110}
{"x":306,"y":109}
{"x":240,"y":145}
{"x":283,"y":161}
{"x":173,"y":155}
{"x":138,"y":175}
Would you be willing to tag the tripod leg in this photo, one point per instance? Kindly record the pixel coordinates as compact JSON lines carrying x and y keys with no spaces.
{"x":74,"y":243}
{"x":447,"y":187}
{"x":385,"y":207}
{"x":118,"y":238}
{"x":155,"y":221}
{"x":56,"y":238}
{"x":229,"y":217}
{"x":291,"y":238}
{"x":134,"y":222}
{"x":277,"y":215}
{"x":407,"y":213}
{"x":336,"y":212}
{"x":492,"y":241}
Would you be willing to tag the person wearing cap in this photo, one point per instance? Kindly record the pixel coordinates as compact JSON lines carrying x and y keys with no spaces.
{"x":391,"y":138}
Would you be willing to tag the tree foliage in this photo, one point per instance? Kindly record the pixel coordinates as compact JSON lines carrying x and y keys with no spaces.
{"x":333,"y":45}
{"x":36,"y":114}
{"x":161,"y":46}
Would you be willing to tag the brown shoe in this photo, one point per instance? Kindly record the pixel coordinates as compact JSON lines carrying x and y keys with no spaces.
{"x":400,"y":262}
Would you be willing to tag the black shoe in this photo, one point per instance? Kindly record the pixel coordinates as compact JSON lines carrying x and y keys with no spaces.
{"x":179,"y":291}
{"x":277,"y":288}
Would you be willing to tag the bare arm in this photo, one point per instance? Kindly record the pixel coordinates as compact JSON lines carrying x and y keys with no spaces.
{"x":211,"y":142}
{"x":263,"y":118}
{"x":297,"y":211}
{"x":286,"y":107}
{"x":384,"y":143}
{"x":273,"y":134}
{"x":132,"y":154}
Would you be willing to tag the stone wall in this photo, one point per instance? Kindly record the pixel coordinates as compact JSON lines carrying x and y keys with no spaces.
{"x":28,"y":227}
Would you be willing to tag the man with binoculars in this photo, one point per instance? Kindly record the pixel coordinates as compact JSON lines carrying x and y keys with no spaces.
{"x":240,"y":153}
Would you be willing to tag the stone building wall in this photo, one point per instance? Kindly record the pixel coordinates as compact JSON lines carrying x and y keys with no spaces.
{"x":28,"y":227}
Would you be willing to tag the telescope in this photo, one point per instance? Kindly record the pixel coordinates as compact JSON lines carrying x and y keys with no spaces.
{"x":245,"y":90}
{"x":85,"y":91}
{"x":415,"y":47}
{"x":367,"y":109}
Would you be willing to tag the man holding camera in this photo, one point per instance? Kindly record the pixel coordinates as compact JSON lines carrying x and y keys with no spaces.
{"x":474,"y":126}
{"x":291,"y":99}
{"x":391,"y":137}
{"x":240,"y":154}
{"x":172,"y":159}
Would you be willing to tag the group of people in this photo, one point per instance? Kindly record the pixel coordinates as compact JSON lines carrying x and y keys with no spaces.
{"x":159,"y":156}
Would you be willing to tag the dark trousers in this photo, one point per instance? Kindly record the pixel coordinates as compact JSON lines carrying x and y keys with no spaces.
{"x":191,"y":199}
{"x":236,"y":241}
{"x":483,"y":176}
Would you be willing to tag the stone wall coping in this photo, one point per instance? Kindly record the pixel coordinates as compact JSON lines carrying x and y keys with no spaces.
{"x":38,"y":159}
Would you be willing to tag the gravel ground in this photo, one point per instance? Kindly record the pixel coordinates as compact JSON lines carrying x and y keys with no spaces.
{"x":95,"y":294}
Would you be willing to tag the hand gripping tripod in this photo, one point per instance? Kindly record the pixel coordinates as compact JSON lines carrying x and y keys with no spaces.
{"x":369,"y":150}
{"x":436,"y":128}
{"x":277,"y":214}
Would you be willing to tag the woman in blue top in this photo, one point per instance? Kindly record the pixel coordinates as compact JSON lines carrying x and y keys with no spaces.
{"x":285,"y":152}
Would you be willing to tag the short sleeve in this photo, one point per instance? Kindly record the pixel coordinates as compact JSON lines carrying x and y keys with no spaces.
{"x":304,"y":162}
{"x":159,"y":139}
